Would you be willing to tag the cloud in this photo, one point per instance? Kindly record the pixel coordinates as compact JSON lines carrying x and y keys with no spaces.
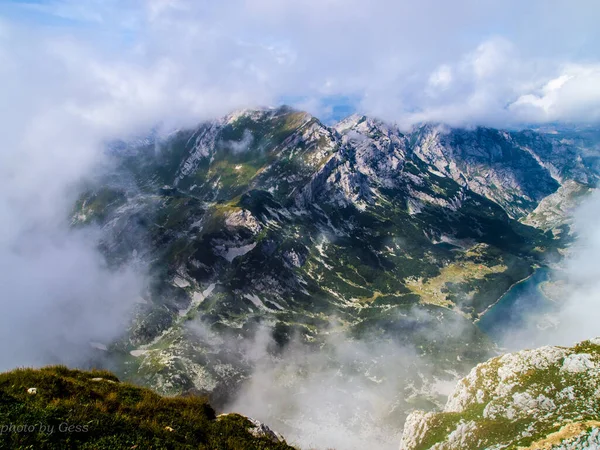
{"x":441,"y":77}
{"x":465,"y":62}
{"x":496,"y":85}
{"x":58,"y":294}
{"x":572,"y":96}
{"x":344,"y":393}
{"x":242,"y":145}
{"x":66,"y":92}
{"x":58,"y":297}
{"x":566,"y":311}
{"x":343,"y":396}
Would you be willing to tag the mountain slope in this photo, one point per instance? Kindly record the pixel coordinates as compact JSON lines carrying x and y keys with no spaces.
{"x":514,"y":169}
{"x":56,"y":407}
{"x":545,"y":398}
{"x":269,"y":220}
{"x":556,"y":209}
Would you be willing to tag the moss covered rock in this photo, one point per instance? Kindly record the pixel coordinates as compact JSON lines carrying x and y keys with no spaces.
{"x":547,"y":398}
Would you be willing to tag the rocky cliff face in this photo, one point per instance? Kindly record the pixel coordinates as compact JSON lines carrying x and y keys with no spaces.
{"x":516,"y":170}
{"x":547,"y":398}
{"x":556,"y":209}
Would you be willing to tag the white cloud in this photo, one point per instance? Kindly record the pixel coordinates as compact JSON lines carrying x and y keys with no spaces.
{"x":573,"y":95}
{"x":441,"y":77}
{"x":490,"y":58}
{"x":574,"y":314}
{"x":463,"y":62}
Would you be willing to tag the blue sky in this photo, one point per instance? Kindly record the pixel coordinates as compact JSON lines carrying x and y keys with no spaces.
{"x":28,"y":12}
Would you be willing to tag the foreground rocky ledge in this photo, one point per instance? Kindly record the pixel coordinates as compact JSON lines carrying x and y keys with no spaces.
{"x":547,"y":398}
{"x":56,"y":407}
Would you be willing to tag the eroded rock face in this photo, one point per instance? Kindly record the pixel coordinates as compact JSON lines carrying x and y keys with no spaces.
{"x":557,"y":209}
{"x":544,"y":398}
{"x":260,"y":430}
{"x":243,"y":218}
{"x":514,"y":169}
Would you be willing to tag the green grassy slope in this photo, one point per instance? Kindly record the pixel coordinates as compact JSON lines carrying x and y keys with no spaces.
{"x":93,"y":410}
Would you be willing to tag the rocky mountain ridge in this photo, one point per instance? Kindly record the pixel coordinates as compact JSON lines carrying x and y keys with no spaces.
{"x":270,"y":220}
{"x":546,"y":398}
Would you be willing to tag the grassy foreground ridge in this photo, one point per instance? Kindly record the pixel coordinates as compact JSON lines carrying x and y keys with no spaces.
{"x":57,"y":407}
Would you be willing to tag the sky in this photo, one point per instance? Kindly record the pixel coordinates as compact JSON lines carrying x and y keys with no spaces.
{"x":465,"y":62}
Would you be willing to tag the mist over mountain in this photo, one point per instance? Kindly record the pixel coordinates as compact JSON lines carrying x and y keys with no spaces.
{"x":427,"y":202}
{"x":351,"y":264}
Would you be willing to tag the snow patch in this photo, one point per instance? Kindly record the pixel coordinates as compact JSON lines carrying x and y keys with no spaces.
{"x":234,"y":252}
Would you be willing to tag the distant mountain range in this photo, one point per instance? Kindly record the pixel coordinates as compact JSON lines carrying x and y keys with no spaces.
{"x":268,"y":219}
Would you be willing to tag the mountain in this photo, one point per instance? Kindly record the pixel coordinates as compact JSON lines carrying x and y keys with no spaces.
{"x":555,"y":210}
{"x":516,"y":170}
{"x":268,"y":228}
{"x":545,"y":398}
{"x":56,"y":407}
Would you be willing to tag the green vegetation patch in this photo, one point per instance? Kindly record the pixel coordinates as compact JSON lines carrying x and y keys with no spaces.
{"x":93,"y":410}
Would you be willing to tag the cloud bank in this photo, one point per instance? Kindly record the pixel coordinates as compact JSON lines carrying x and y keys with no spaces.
{"x":466,"y":62}
{"x":571,"y":315}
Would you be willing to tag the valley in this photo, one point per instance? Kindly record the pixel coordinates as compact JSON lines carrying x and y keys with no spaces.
{"x":282,"y":253}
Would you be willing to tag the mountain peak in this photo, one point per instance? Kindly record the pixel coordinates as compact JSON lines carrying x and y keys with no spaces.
{"x":362,"y":126}
{"x":264,"y":112}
